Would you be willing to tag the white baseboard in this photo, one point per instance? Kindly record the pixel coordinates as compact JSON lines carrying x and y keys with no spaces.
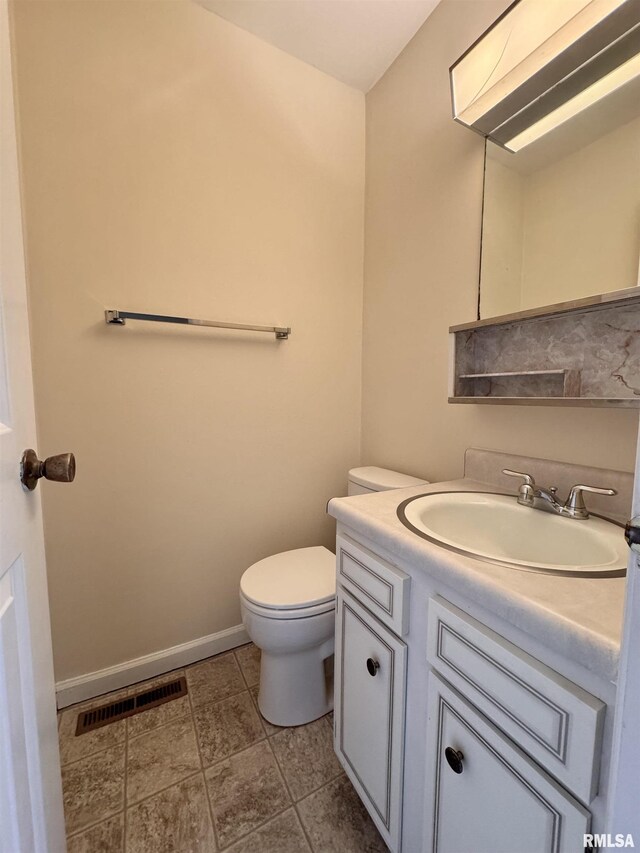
{"x":92,"y":684}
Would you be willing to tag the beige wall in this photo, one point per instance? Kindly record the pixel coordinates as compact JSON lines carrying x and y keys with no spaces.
{"x":422,"y":225}
{"x":176,"y":164}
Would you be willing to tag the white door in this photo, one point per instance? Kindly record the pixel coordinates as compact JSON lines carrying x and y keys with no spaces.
{"x":31,"y":815}
{"x":624,"y":799}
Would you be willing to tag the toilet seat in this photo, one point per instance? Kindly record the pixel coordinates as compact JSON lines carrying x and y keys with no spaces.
{"x":292,"y":584}
{"x":289,"y":613}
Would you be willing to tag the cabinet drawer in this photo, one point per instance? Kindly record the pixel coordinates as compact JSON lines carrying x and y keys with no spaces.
{"x":381,"y":587}
{"x":496,"y":800}
{"x":369,"y":713}
{"x":552,"y":719}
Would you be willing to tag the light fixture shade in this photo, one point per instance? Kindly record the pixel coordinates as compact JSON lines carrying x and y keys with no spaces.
{"x":538,"y":56}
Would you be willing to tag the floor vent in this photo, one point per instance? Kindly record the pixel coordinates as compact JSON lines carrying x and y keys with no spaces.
{"x":114,"y":711}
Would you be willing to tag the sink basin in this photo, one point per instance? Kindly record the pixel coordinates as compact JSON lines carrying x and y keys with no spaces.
{"x":498,"y":529}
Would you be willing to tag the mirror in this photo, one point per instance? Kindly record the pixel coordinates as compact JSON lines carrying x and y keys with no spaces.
{"x":561,"y":217}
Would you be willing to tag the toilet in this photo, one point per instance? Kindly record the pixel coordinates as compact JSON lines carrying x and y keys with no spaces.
{"x":288,"y":609}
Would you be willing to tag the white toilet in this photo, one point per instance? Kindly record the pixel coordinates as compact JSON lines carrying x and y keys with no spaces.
{"x":288,"y":608}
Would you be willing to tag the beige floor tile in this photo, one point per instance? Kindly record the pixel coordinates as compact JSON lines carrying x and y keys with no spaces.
{"x":249,"y":660}
{"x":214,"y":679}
{"x":245,"y":791}
{"x":283,"y":834}
{"x":176,"y":820}
{"x":161,"y":758}
{"x":106,"y":837}
{"x":71,"y":747}
{"x":93,"y":788}
{"x":306,"y":757}
{"x":335,"y":820}
{"x":269,"y":728}
{"x":227,"y":727}
{"x":162,"y":714}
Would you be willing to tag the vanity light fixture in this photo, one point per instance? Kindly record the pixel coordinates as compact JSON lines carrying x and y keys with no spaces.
{"x":616,"y":79}
{"x":541,"y":63}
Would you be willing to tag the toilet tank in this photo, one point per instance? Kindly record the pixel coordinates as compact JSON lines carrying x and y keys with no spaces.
{"x":362,"y":481}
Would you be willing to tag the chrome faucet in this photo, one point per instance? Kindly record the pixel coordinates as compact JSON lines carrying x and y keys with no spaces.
{"x":546,"y":499}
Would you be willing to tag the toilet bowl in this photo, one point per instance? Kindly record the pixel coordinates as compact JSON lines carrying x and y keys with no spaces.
{"x":288,"y":609}
{"x":287,"y":603}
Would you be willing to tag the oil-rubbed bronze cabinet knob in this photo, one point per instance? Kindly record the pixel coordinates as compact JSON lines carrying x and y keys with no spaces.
{"x":454,"y":759}
{"x":372,"y":666}
{"x":60,"y":468}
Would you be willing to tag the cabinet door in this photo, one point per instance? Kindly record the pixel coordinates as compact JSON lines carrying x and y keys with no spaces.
{"x":369,"y":712}
{"x":492,"y":798}
{"x":553,"y":720}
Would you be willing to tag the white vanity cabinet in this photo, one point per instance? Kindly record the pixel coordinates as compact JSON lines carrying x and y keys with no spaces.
{"x":370,"y":682}
{"x":428,"y":683}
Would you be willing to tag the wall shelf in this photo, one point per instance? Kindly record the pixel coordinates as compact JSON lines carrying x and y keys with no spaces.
{"x":583,"y":402}
{"x":561,"y":382}
{"x":584,"y":353}
{"x":513,"y":373}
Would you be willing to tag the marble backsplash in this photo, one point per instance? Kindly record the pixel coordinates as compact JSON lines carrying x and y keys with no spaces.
{"x":598,"y":350}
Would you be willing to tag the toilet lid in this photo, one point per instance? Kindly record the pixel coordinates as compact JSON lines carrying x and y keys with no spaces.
{"x":300,"y":578}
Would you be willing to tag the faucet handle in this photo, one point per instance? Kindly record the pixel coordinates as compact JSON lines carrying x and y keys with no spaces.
{"x":528,"y":479}
{"x":575,"y":505}
{"x":526,"y":492}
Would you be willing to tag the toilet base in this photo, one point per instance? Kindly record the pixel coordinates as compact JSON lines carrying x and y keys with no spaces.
{"x":294,"y":689}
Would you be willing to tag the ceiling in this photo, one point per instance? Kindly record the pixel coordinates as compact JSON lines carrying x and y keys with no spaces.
{"x":352,"y":40}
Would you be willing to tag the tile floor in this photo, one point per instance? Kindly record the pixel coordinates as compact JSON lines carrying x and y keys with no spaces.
{"x":206,"y":773}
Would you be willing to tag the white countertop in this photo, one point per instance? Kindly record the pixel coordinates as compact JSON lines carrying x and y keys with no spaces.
{"x":580,"y":618}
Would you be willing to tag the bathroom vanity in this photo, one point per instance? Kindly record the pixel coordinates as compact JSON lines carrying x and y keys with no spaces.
{"x":473,"y":701}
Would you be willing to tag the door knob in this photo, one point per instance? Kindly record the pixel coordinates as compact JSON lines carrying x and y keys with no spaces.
{"x":632,"y":534}
{"x":61,"y":468}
